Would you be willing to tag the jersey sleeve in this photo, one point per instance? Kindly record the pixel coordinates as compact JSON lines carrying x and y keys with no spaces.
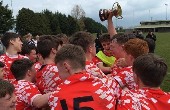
{"x":54,"y":102}
{"x":94,"y":70}
{"x":28,"y":92}
{"x":125,"y":78}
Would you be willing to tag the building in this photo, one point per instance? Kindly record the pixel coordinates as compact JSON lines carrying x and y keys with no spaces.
{"x":154,"y":26}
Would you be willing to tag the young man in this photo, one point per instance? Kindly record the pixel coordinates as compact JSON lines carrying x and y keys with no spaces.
{"x":47,"y":78}
{"x":1,"y":70}
{"x":39,"y":63}
{"x":87,"y":42}
{"x":13,"y":45}
{"x":149,"y":72}
{"x":117,"y":44}
{"x":7,"y":96}
{"x":132,"y":48}
{"x":29,"y":50}
{"x":104,"y":59}
{"x":80,"y":90}
{"x":28,"y":95}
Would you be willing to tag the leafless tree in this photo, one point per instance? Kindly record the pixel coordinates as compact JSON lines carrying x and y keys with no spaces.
{"x":77,"y":12}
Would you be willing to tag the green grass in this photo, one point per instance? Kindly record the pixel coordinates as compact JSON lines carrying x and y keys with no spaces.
{"x":163,"y":47}
{"x":166,"y":84}
{"x":163,"y":50}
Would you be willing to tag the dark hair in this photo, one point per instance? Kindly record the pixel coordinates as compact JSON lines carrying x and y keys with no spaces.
{"x":63,"y":37}
{"x":151,"y":69}
{"x":6,"y":88}
{"x":7,"y":37}
{"x":104,"y":38}
{"x":120,"y":38}
{"x":20,"y":67}
{"x":26,"y":48}
{"x":151,"y":44}
{"x":2,"y":64}
{"x":83,"y":39}
{"x":46,"y":43}
{"x":74,"y":54}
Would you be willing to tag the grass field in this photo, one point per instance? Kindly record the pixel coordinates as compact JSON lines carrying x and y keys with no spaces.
{"x":163,"y":47}
{"x":163,"y":50}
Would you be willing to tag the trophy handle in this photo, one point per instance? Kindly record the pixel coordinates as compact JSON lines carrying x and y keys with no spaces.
{"x":119,"y":17}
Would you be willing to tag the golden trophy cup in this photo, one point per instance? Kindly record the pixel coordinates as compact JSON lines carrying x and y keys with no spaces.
{"x":116,"y":10}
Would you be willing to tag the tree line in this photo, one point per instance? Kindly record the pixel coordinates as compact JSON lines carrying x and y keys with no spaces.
{"x":47,"y":22}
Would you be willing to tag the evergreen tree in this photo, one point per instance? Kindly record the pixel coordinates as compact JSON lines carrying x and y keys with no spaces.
{"x":25,"y":22}
{"x":6,"y":18}
{"x":30,"y":22}
{"x":93,"y":26}
{"x":73,"y":25}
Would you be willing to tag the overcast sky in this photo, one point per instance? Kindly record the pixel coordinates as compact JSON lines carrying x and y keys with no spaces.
{"x":134,"y":11}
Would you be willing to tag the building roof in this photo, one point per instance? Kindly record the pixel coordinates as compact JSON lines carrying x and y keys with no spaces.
{"x":154,"y":21}
{"x":154,"y":26}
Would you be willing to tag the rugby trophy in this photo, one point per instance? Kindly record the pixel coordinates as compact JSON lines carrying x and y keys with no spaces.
{"x":116,"y":10}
